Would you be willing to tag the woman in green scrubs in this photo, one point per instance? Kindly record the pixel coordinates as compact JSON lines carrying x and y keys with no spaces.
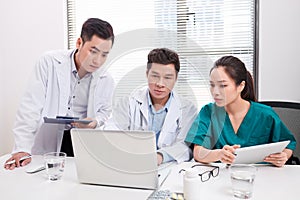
{"x":235,"y":119}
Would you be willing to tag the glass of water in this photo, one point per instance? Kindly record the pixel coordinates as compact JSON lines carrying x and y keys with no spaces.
{"x":54,"y":164}
{"x":242,"y":179}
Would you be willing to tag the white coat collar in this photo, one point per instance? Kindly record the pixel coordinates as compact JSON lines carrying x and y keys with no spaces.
{"x":174,"y":112}
{"x":64,"y":57}
{"x":62,"y":66}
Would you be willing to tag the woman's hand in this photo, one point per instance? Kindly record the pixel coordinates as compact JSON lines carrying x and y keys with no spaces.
{"x":277,"y":159}
{"x":226,"y":154}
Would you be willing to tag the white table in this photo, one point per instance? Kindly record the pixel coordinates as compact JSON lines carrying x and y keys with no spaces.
{"x":18,"y":184}
{"x":270,"y":183}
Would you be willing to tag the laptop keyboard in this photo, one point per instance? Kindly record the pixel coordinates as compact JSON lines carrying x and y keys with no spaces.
{"x":160,"y":195}
{"x":165,"y":195}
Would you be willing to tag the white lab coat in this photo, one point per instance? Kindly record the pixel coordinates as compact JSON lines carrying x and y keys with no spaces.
{"x":47,"y":95}
{"x":132,"y":114}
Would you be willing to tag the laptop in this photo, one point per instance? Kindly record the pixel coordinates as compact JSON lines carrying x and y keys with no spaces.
{"x":257,"y":153}
{"x":117,"y":158}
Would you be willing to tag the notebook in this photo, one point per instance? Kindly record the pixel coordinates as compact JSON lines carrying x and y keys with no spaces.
{"x":117,"y":158}
{"x":256,"y":154}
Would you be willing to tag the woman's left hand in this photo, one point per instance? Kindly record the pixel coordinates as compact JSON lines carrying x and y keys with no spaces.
{"x":277,"y":159}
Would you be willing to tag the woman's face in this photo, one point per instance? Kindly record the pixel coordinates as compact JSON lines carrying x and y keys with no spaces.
{"x":223,"y":88}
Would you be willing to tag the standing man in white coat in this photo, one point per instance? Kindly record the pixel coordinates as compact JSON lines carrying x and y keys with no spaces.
{"x":65,"y":83}
{"x":158,"y":108}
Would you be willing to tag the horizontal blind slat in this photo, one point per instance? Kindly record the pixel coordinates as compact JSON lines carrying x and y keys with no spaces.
{"x":201,"y":31}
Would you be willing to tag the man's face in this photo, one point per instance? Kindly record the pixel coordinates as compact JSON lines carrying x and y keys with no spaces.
{"x":92,"y":54}
{"x":161,"y":81}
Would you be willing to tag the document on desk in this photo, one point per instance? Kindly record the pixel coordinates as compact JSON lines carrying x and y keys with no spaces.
{"x":36,"y":165}
{"x":163,"y":173}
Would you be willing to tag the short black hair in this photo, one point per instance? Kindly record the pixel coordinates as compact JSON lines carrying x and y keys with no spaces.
{"x":98,"y":27}
{"x":163,"y":56}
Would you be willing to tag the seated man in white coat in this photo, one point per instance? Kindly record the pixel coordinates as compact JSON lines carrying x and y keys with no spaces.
{"x":65,"y":83}
{"x":158,"y":108}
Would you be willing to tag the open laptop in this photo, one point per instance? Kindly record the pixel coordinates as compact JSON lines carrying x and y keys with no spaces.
{"x":116,"y":158}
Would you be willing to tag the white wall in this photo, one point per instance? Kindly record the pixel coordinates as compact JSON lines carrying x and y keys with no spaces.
{"x":279,"y":50}
{"x":28,"y":28}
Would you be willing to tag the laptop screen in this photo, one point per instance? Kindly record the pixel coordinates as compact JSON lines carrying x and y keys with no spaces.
{"x":116,"y":158}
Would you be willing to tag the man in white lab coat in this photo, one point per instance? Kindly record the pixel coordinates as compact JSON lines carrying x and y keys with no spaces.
{"x":65,"y":83}
{"x":158,"y":108}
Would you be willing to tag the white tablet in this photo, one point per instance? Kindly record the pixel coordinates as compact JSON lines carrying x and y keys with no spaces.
{"x":257,"y":153}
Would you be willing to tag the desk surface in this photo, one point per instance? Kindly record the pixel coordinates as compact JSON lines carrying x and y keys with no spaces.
{"x":270,"y":183}
{"x":18,"y":184}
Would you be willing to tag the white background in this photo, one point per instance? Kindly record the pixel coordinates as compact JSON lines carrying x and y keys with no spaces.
{"x":31,"y":27}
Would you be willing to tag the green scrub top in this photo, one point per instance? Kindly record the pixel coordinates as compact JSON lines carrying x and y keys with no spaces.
{"x":212,"y":128}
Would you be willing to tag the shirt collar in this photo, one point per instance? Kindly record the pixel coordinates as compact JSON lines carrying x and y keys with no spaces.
{"x":73,"y":66}
{"x":167,"y":105}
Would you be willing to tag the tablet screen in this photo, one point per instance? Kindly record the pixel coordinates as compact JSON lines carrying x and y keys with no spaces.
{"x":257,"y":153}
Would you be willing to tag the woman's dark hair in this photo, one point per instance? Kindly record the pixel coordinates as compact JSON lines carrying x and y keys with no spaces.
{"x":236,"y":69}
{"x":98,"y":27}
{"x":163,"y":56}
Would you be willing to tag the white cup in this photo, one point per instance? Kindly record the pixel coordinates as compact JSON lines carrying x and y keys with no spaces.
{"x":242,"y":179}
{"x":54,"y":164}
{"x":191,"y":184}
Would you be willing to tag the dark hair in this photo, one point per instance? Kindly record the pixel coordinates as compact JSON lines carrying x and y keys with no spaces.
{"x":236,"y":69}
{"x":98,"y":27}
{"x":163,"y":56}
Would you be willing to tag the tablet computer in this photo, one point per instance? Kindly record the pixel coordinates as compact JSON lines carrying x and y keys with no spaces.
{"x":257,"y":153}
{"x":65,"y":120}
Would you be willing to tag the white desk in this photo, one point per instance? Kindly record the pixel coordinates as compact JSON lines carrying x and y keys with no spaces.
{"x":270,"y":183}
{"x":18,"y":184}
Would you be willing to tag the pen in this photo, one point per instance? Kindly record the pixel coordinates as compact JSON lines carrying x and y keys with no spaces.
{"x":21,"y":159}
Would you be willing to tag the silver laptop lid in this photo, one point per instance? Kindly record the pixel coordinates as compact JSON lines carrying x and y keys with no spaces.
{"x":116,"y":158}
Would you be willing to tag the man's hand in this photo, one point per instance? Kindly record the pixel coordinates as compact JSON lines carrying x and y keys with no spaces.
{"x":160,"y":158}
{"x":91,"y":125}
{"x":17,"y":162}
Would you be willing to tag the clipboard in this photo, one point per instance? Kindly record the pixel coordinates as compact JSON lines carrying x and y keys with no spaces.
{"x":65,"y":120}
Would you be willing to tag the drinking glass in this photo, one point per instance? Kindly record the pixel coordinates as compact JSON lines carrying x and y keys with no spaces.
{"x":54,"y":164}
{"x":242,"y":179}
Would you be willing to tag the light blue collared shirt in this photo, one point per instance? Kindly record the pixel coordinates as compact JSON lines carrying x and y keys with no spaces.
{"x":156,"y":121}
{"x":79,"y":92}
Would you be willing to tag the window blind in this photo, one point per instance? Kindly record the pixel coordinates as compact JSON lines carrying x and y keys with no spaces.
{"x":201,"y":31}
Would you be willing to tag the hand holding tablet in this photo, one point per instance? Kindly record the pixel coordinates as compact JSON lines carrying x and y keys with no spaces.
{"x":257,"y":153}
